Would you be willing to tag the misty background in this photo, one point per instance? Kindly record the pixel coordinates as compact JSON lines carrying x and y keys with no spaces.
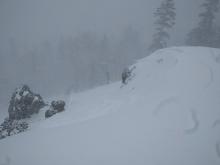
{"x":63,"y":46}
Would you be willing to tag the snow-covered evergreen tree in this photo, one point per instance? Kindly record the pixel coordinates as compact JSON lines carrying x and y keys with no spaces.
{"x":205,"y":33}
{"x":165,"y":15}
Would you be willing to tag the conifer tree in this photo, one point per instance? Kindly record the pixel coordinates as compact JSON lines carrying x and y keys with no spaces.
{"x":165,"y":15}
{"x":205,"y":33}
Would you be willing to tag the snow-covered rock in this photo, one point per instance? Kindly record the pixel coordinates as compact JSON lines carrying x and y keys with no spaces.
{"x":58,"y":105}
{"x":55,"y":107}
{"x":50,"y":112}
{"x":24,"y":103}
{"x":167,"y":114}
{"x":12,"y":127}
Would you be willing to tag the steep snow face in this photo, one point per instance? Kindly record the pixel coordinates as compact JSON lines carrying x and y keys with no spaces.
{"x":167,"y":114}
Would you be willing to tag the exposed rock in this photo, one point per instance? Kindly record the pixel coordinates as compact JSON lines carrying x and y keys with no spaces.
{"x":10,"y":127}
{"x":55,"y":107}
{"x":58,"y":105}
{"x":24,"y":103}
{"x":50,"y":112}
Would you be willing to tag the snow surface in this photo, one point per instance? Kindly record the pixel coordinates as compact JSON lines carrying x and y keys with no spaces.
{"x":168,"y":114}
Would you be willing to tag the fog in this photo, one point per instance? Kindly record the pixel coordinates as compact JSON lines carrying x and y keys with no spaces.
{"x":32,"y":21}
{"x":71,"y":45}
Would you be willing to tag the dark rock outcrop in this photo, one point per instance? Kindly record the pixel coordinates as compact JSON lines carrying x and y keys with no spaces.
{"x":55,"y":107}
{"x":49,"y":113}
{"x":58,"y":105}
{"x":10,"y":127}
{"x":24,"y":103}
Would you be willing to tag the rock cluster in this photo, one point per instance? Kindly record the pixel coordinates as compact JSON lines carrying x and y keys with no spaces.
{"x":10,"y":127}
{"x":24,"y":103}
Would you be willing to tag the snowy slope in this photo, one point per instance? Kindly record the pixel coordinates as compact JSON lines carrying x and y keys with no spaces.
{"x":168,"y":114}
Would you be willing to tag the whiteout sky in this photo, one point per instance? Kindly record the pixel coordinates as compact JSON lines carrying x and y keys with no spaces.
{"x":31,"y":21}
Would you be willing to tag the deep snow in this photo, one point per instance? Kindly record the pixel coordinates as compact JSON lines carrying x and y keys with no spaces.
{"x":168,"y":114}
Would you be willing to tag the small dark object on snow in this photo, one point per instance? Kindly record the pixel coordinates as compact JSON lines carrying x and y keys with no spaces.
{"x":24,"y":103}
{"x":50,"y":112}
{"x":58,"y":105}
{"x":55,"y":107}
{"x":125,"y":75}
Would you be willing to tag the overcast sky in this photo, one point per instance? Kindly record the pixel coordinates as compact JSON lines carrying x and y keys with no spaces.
{"x":32,"y":21}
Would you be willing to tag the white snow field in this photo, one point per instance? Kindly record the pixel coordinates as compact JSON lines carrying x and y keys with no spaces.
{"x":168,"y":114}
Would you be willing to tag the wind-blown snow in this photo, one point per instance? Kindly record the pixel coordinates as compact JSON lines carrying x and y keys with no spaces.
{"x":168,"y":114}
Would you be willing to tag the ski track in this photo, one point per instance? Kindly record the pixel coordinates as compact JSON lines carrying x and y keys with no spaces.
{"x":163,"y":103}
{"x":196,"y":123}
{"x":175,"y":100}
{"x":216,"y":57}
{"x":211,"y":77}
{"x":109,"y":106}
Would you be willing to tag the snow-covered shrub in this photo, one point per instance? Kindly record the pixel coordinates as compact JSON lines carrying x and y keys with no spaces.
{"x":55,"y":107}
{"x":127,"y":74}
{"x":10,"y":127}
{"x":24,"y":103}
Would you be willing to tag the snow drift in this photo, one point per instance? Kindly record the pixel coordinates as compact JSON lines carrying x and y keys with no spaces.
{"x":167,"y":114}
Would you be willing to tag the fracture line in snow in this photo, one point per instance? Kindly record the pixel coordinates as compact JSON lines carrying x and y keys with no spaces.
{"x":196,"y":123}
